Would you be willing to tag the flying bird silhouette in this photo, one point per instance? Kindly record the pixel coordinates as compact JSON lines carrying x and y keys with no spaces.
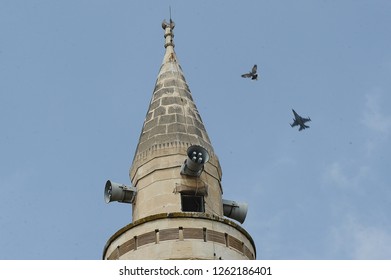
{"x":253,"y":74}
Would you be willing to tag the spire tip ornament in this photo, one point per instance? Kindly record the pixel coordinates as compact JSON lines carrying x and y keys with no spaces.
{"x":168,"y":32}
{"x":165,"y":24}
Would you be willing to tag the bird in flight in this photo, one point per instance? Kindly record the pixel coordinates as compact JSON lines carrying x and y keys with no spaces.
{"x":253,"y":74}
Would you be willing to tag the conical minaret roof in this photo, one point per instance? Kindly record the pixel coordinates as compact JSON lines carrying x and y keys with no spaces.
{"x":172,"y":120}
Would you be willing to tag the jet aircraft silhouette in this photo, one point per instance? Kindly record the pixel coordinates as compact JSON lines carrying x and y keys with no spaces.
{"x":298,"y":120}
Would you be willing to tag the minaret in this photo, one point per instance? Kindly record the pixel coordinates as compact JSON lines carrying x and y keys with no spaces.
{"x":176,"y":193}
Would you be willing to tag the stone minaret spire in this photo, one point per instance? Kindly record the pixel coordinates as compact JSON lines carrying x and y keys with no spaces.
{"x":178,"y":210}
{"x":171,"y":126}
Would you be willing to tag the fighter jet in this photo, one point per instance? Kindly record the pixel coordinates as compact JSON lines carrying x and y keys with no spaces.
{"x":253,"y":74}
{"x":298,"y":120}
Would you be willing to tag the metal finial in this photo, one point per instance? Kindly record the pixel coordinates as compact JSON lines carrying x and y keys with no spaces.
{"x":171,"y":24}
{"x":168,"y":27}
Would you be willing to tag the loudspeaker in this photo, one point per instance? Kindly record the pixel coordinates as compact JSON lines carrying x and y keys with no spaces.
{"x":197,"y":156}
{"x":235,"y":210}
{"x":119,"y":192}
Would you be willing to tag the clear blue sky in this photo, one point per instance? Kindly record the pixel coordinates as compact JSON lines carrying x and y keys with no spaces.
{"x":76,"y":78}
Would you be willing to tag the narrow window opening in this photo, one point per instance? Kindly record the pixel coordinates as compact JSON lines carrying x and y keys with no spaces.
{"x":192,"y":203}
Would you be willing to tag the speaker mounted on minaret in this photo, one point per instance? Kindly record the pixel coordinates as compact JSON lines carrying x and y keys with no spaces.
{"x":119,"y":192}
{"x":193,"y":166}
{"x":235,"y":210}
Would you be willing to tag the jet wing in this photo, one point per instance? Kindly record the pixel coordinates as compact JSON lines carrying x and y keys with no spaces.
{"x":294,"y":123}
{"x":296,"y":114}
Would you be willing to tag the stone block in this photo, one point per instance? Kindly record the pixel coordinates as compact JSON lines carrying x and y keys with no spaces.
{"x":175,"y":109}
{"x":159,"y":111}
{"x":176,"y":127}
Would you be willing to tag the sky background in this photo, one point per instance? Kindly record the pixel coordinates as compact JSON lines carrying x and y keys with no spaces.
{"x":76,"y":79}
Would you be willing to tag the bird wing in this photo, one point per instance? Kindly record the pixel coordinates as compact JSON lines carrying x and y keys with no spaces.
{"x":247,"y":75}
{"x":254,"y":70}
